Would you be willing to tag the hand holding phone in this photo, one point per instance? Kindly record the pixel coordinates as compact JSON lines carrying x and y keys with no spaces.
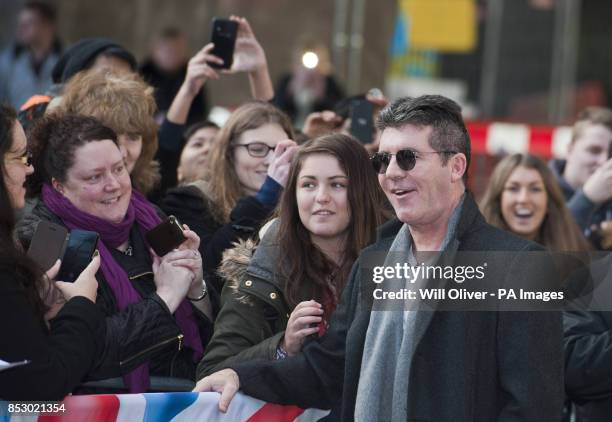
{"x":223,"y":36}
{"x":85,"y":284}
{"x":166,"y":236}
{"x":249,"y":55}
{"x":199,"y":69}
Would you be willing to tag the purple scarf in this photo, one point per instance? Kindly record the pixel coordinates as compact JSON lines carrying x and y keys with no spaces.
{"x":112,"y":235}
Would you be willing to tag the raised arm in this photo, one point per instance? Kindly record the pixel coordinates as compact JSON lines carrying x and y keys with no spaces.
{"x":198,"y":72}
{"x":249,"y":57}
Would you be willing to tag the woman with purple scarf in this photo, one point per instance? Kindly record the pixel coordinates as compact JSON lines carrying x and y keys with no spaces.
{"x":158,"y":317}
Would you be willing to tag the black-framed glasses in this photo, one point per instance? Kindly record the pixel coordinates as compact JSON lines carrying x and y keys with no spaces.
{"x":257,"y":149}
{"x":25,"y":158}
{"x":405,"y":158}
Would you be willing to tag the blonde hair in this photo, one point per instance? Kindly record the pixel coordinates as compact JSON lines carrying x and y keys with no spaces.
{"x":124,"y":102}
{"x":223,"y":183}
{"x":591,"y":116}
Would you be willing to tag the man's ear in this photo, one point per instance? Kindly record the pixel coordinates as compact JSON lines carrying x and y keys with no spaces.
{"x":57,"y":185}
{"x":458,"y":164}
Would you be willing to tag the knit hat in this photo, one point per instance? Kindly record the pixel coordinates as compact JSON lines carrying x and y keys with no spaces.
{"x":81,"y":55}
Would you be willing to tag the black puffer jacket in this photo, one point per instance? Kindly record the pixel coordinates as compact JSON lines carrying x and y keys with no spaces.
{"x":144,"y":331}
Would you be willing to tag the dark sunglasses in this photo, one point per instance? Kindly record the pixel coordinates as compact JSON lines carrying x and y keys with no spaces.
{"x":405,"y":158}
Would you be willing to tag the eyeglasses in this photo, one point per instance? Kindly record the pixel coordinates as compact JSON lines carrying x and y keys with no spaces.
{"x":257,"y":149}
{"x":405,"y":158}
{"x":25,"y":158}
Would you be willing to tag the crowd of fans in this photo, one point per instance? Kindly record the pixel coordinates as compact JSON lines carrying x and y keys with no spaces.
{"x":265,"y":293}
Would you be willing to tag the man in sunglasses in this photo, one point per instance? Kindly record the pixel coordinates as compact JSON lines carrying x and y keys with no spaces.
{"x":441,"y":366}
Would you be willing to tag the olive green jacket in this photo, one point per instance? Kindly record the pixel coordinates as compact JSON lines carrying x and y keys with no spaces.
{"x":254,"y":312}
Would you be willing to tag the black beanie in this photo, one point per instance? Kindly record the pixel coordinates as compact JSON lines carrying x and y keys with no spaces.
{"x":81,"y":55}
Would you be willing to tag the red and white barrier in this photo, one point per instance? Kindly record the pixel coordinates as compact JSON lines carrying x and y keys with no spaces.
{"x":492,"y":138}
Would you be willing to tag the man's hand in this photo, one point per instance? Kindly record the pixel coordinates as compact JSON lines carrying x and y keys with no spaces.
{"x":598,"y":187}
{"x":225,"y":382}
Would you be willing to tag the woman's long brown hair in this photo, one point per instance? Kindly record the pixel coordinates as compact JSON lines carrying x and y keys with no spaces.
{"x":558,"y":232}
{"x":303,"y":263}
{"x":222,"y":180}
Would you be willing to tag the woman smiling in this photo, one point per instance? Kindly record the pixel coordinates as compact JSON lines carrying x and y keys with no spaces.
{"x":285,"y":291}
{"x":47,"y":362}
{"x":84,"y":184}
{"x":524,"y":198}
{"x":247,"y":169}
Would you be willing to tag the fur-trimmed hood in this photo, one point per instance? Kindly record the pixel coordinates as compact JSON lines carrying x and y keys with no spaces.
{"x":247,"y":259}
{"x":236,"y":261}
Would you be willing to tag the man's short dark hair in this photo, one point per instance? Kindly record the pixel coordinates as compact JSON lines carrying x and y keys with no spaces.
{"x":441,"y":113}
{"x":44,"y":9}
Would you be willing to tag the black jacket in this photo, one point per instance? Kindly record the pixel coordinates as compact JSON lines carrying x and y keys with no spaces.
{"x":171,"y":142}
{"x":468,"y":366}
{"x":60,"y":358}
{"x":588,"y":345}
{"x":192,"y":206}
{"x":144,"y":331}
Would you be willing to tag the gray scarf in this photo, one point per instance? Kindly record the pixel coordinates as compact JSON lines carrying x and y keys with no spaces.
{"x":391,"y":339}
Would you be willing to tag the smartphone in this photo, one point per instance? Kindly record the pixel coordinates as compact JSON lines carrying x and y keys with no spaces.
{"x":223,"y":35}
{"x":166,"y":236}
{"x":609,"y":149}
{"x":362,"y":123}
{"x":48,"y":244}
{"x":80,"y":249}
